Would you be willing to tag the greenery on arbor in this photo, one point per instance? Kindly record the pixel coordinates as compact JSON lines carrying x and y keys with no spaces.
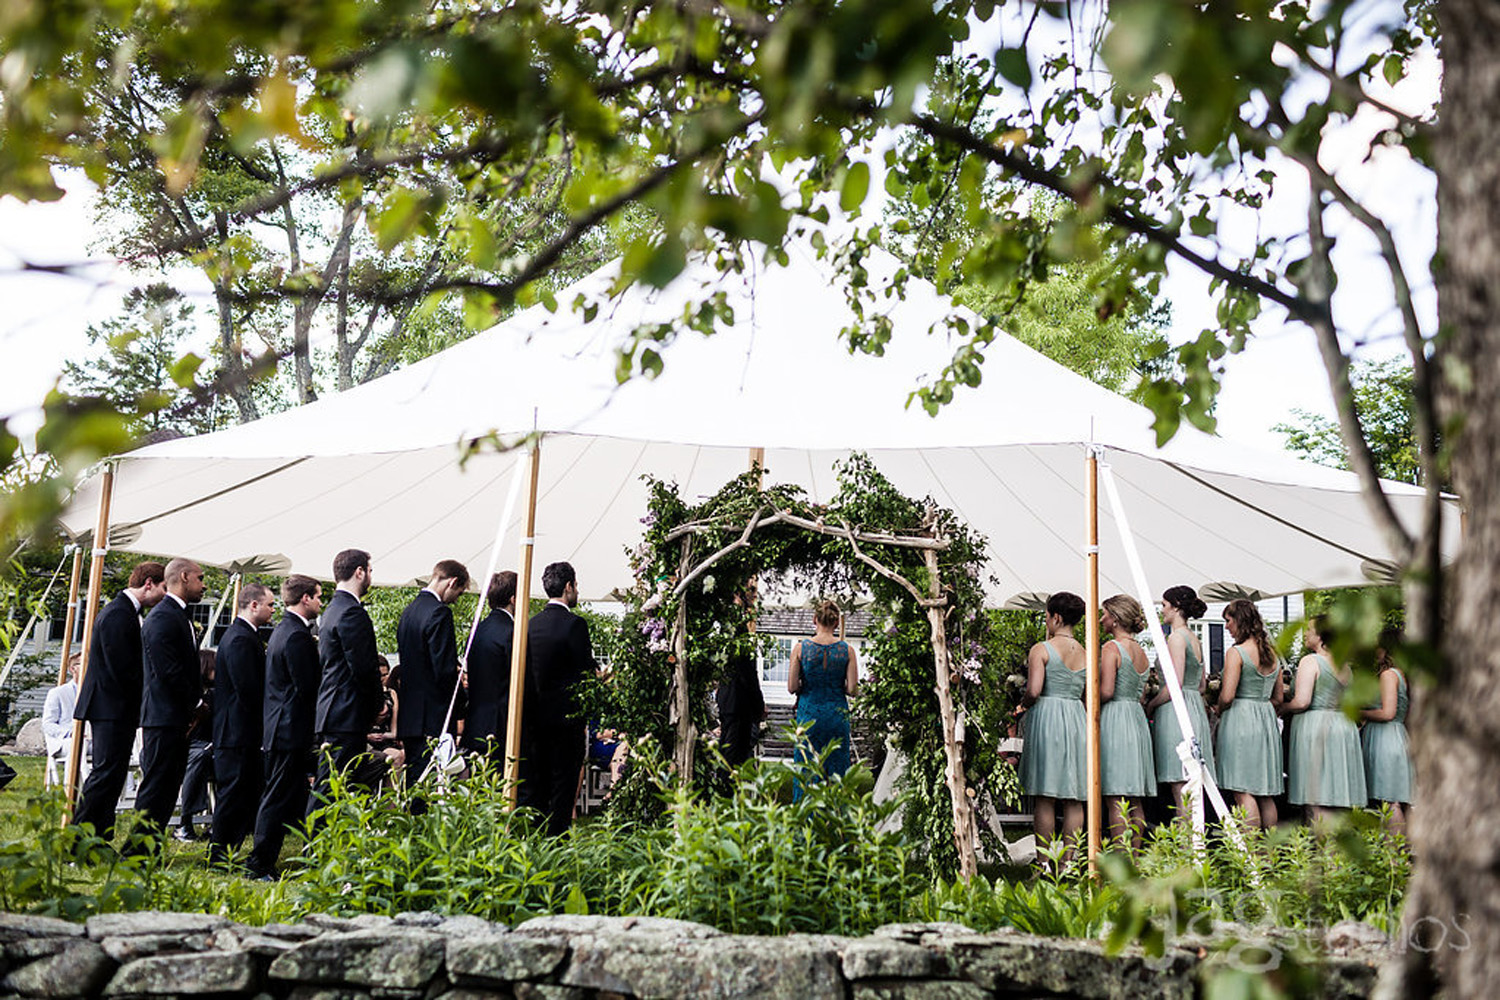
{"x":688,"y":616}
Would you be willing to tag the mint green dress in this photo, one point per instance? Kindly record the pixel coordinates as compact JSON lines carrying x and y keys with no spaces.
{"x":1387,"y":752}
{"x":1126,"y":766}
{"x":1169,"y":734}
{"x":1052,"y":731}
{"x":1325,"y":766}
{"x":1248,"y":752}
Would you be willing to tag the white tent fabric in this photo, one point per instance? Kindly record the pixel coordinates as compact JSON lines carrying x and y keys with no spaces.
{"x":377,"y":467}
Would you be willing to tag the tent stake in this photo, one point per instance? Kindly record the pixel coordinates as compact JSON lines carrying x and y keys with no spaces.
{"x":70,"y":619}
{"x":90,"y":611}
{"x":1091,"y":669}
{"x":518,"y":643}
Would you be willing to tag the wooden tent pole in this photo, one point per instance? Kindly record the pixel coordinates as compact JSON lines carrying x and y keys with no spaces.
{"x":70,"y":619}
{"x":90,"y":612}
{"x":1095,"y":806}
{"x":518,"y":643}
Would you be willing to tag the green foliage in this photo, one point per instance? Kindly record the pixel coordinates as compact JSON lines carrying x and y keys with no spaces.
{"x":1383,"y":393}
{"x":753,"y":862}
{"x":897,"y":698}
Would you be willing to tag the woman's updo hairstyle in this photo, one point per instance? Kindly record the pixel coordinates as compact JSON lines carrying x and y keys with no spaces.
{"x":1127,"y":611}
{"x":1067,"y":606}
{"x":827,"y":614}
{"x":1186,"y":600}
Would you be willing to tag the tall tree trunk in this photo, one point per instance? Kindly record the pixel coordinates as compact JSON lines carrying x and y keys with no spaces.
{"x":237,"y":377}
{"x":1452,"y":917}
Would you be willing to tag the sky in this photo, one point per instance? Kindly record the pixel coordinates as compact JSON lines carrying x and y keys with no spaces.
{"x":44,"y":317}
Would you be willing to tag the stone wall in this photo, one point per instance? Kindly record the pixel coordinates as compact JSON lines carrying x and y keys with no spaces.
{"x":426,"y":957}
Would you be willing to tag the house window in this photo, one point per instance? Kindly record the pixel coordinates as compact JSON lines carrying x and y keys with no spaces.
{"x":775,"y":663}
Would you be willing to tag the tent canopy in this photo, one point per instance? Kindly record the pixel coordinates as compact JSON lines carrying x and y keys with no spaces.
{"x":377,"y":467}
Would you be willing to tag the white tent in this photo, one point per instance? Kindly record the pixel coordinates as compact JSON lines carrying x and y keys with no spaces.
{"x":377,"y":467}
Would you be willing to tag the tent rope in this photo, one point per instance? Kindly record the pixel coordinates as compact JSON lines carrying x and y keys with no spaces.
{"x":15,"y":651}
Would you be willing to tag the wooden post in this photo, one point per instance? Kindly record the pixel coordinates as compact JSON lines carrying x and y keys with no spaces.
{"x":70,"y":619}
{"x":1095,"y":806}
{"x":518,"y":643}
{"x":90,"y":612}
{"x":958,"y":787}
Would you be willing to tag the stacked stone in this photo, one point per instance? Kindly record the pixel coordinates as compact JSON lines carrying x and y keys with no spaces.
{"x":424,"y":956}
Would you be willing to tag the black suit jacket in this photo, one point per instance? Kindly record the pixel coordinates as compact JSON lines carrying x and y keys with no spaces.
{"x":239,"y":685}
{"x":489,"y":678}
{"x":349,"y":689}
{"x":173,"y":681}
{"x":112,"y":688}
{"x":291,"y":692}
{"x":558,"y":655}
{"x":429,"y":665}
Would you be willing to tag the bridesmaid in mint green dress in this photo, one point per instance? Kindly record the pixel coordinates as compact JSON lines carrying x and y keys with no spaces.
{"x":1052,"y":729}
{"x":1325,"y":766}
{"x":1388,"y":770}
{"x":1127,"y":769}
{"x":1248,"y":753}
{"x":1179,"y":605}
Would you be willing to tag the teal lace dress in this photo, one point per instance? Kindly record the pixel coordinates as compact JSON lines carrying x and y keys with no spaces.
{"x":1126,"y":766}
{"x":1248,"y":753}
{"x":1325,"y":766}
{"x":1169,"y":734}
{"x":822,"y":702}
{"x":1052,"y":734}
{"x":1388,"y":771}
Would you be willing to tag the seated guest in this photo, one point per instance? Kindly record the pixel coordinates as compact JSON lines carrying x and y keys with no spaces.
{"x":57,"y":723}
{"x":200,"y":760}
{"x":383,"y":738}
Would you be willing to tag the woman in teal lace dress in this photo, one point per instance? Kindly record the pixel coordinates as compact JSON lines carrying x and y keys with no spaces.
{"x":1127,"y":769}
{"x":1052,"y":730}
{"x":1325,"y":766}
{"x":1179,"y":605}
{"x":823,"y":676}
{"x":1248,"y":753}
{"x":1388,"y":770}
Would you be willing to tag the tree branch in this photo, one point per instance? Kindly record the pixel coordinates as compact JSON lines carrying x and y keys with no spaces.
{"x":1318,"y":289}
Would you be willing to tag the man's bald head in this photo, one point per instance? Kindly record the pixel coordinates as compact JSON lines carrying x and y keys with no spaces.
{"x":185,"y":579}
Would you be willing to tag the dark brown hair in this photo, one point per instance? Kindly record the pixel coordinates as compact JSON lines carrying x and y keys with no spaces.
{"x":295,"y":587}
{"x":452,"y":569}
{"x":1246,"y":617}
{"x":347,"y":561}
{"x":502,"y":589}
{"x":1068,"y":606}
{"x":147,"y":572}
{"x":1186,"y":600}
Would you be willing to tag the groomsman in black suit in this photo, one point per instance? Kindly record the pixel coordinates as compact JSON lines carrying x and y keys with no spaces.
{"x":292,"y":673}
{"x":349,"y":691}
{"x":488,"y":671}
{"x":429,"y":665}
{"x":239,"y":694}
{"x":558,"y":656}
{"x":173,"y":686}
{"x":109,"y":697}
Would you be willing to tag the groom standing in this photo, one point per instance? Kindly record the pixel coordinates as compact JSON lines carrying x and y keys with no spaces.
{"x":559,"y":654}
